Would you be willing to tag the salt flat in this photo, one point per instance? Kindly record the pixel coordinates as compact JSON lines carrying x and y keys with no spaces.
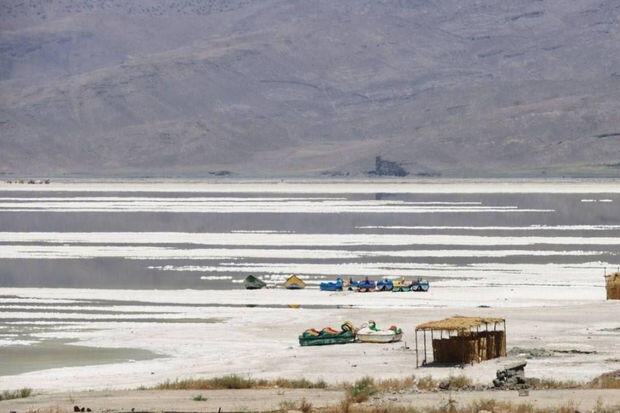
{"x":259,"y":339}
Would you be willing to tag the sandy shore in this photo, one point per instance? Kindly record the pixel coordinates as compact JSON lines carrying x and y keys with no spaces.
{"x":274,"y":399}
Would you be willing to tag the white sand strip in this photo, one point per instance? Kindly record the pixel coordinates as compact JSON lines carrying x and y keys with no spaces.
{"x":311,"y":207}
{"x":169,"y":253}
{"x":430,"y":186}
{"x":499,"y":228}
{"x":318,"y":240}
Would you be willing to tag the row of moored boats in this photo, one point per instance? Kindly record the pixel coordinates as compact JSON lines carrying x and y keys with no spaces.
{"x":368,"y":333}
{"x":293,"y":282}
{"x":384,"y":284}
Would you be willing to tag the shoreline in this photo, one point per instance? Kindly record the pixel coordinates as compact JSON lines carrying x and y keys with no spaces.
{"x":421,"y":185}
{"x":560,"y":338}
{"x":270,"y":400}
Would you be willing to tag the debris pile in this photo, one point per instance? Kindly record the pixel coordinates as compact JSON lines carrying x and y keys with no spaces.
{"x":512,"y":377}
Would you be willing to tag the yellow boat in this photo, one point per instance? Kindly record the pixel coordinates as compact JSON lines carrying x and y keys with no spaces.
{"x":294,"y":283}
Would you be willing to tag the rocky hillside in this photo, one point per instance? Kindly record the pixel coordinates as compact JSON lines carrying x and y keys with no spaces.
{"x":264,"y":88}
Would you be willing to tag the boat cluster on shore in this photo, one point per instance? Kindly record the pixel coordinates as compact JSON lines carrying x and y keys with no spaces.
{"x":368,"y":333}
{"x":293,"y":282}
{"x":384,"y":284}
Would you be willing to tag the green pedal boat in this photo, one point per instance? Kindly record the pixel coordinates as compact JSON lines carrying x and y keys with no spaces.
{"x":328,"y":335}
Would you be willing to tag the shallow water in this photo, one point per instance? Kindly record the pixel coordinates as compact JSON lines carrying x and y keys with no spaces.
{"x":53,"y":353}
{"x":170,"y":237}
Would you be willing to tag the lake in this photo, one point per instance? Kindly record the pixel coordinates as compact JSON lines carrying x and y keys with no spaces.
{"x":84,"y":265}
{"x":201,"y":236}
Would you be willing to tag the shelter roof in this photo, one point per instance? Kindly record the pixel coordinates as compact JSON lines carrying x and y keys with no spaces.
{"x":459,"y":322}
{"x":614,"y":278}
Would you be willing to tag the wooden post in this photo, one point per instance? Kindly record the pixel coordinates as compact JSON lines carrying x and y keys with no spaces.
{"x":503,"y":350}
{"x":479,"y":344}
{"x":416,"y":349}
{"x":424,"y":362}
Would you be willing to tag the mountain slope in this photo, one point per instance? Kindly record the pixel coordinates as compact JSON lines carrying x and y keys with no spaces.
{"x":281,"y":88}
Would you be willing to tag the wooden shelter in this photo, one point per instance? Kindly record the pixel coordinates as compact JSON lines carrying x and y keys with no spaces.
{"x":612,"y":284}
{"x":460,"y":340}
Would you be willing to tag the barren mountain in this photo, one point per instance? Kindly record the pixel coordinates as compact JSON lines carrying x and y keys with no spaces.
{"x":310,"y":88}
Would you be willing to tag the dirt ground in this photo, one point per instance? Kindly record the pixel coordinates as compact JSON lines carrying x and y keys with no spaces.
{"x":274,"y":399}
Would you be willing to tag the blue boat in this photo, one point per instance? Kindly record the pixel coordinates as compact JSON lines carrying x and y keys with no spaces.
{"x":351,"y":284}
{"x":366,"y":285}
{"x":385,"y":284}
{"x":332,"y":285}
{"x":420,"y":284}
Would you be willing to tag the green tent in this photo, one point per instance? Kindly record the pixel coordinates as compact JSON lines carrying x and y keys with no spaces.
{"x":253,"y":283}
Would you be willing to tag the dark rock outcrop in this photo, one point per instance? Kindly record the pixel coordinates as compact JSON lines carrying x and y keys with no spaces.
{"x":512,"y":377}
{"x":388,"y":168}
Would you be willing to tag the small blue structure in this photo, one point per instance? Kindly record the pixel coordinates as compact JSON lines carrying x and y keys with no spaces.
{"x":332,"y":285}
{"x":420,"y":284}
{"x":366,"y":285}
{"x":385,"y":284}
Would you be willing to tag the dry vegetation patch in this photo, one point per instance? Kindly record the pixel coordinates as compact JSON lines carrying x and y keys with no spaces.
{"x":450,"y":406}
{"x":15,"y":394}
{"x":237,"y":382}
{"x":606,"y":381}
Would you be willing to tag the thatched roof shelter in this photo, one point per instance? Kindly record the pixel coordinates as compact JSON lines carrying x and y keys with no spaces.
{"x":612,"y":284}
{"x":463,"y":339}
{"x":459,"y":323}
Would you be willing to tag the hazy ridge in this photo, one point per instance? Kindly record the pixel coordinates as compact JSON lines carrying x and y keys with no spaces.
{"x":309,"y":88}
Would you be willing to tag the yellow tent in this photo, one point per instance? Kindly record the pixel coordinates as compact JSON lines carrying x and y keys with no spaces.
{"x":294,"y":283}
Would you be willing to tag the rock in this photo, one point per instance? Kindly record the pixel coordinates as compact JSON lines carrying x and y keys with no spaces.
{"x":517,"y":366}
{"x":387,"y":168}
{"x":76,"y":408}
{"x":512,"y":377}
